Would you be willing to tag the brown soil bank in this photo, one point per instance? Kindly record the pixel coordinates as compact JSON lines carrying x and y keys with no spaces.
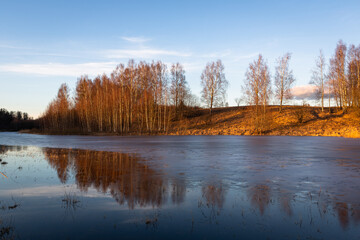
{"x":292,"y":121}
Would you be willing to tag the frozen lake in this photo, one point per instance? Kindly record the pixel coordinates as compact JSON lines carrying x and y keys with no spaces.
{"x":179,"y":187}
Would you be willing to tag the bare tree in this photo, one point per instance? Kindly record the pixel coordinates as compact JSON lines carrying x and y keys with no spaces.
{"x":179,"y":87}
{"x":258,"y":89}
{"x":238,"y":101}
{"x":284,"y":79}
{"x":64,"y":104}
{"x":214,"y":84}
{"x":319,"y":77}
{"x":353,"y":70}
{"x":338,"y":78}
{"x":192,"y":100}
{"x":83,"y":103}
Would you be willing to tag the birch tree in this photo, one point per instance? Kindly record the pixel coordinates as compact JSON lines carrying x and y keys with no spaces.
{"x":214,"y":84}
{"x":319,"y":78}
{"x":179,"y":86}
{"x":64,"y":104}
{"x":354,"y":75}
{"x":257,"y":88}
{"x":238,"y":101}
{"x":284,"y":79}
{"x":338,"y":77}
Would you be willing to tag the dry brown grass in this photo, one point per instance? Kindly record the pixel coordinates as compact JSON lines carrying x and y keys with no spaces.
{"x":293,"y":121}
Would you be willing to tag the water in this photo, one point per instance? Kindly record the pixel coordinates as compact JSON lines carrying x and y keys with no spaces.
{"x":179,"y":187}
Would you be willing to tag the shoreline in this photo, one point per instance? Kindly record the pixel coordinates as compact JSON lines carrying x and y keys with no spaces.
{"x":239,"y":121}
{"x":184,"y":134}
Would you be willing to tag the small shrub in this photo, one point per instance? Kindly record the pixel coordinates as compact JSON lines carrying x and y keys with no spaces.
{"x":300,"y":114}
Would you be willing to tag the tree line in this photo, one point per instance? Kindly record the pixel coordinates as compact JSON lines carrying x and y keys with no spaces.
{"x":141,"y":97}
{"x":146,"y":97}
{"x":16,"y":120}
{"x":340,"y":79}
{"x":343,"y":76}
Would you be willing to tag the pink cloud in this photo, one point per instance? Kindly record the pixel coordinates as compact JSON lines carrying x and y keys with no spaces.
{"x":304,"y":91}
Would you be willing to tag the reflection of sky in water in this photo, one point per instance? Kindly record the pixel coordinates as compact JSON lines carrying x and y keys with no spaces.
{"x":215,"y":187}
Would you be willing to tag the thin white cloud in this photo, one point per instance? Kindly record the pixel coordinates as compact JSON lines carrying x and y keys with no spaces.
{"x":136,"y":39}
{"x":142,"y":53}
{"x":61,"y":69}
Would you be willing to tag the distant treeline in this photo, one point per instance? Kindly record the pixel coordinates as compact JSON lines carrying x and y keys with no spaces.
{"x":146,"y":97}
{"x":14,"y":121}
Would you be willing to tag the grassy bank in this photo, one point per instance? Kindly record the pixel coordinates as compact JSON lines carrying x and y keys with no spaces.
{"x":292,"y":121}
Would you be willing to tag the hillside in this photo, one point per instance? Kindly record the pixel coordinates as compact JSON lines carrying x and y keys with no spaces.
{"x":292,"y":121}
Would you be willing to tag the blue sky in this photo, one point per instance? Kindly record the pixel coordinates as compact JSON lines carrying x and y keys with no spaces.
{"x":46,"y":43}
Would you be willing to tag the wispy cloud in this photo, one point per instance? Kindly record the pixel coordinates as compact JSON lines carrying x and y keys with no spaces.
{"x":136,"y":39}
{"x":60,"y":69}
{"x":143,"y":53}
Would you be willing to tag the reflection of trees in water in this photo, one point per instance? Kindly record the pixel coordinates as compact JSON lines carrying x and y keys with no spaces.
{"x":5,"y":149}
{"x":347,"y":212}
{"x":123,"y":175}
{"x":130,"y":180}
{"x":285,"y":198}
{"x":178,"y":190}
{"x":59,"y":159}
{"x":260,"y":197}
{"x":214,"y":195}
{"x":343,"y":213}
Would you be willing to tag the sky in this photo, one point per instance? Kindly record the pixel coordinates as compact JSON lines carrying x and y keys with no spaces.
{"x":46,"y":43}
